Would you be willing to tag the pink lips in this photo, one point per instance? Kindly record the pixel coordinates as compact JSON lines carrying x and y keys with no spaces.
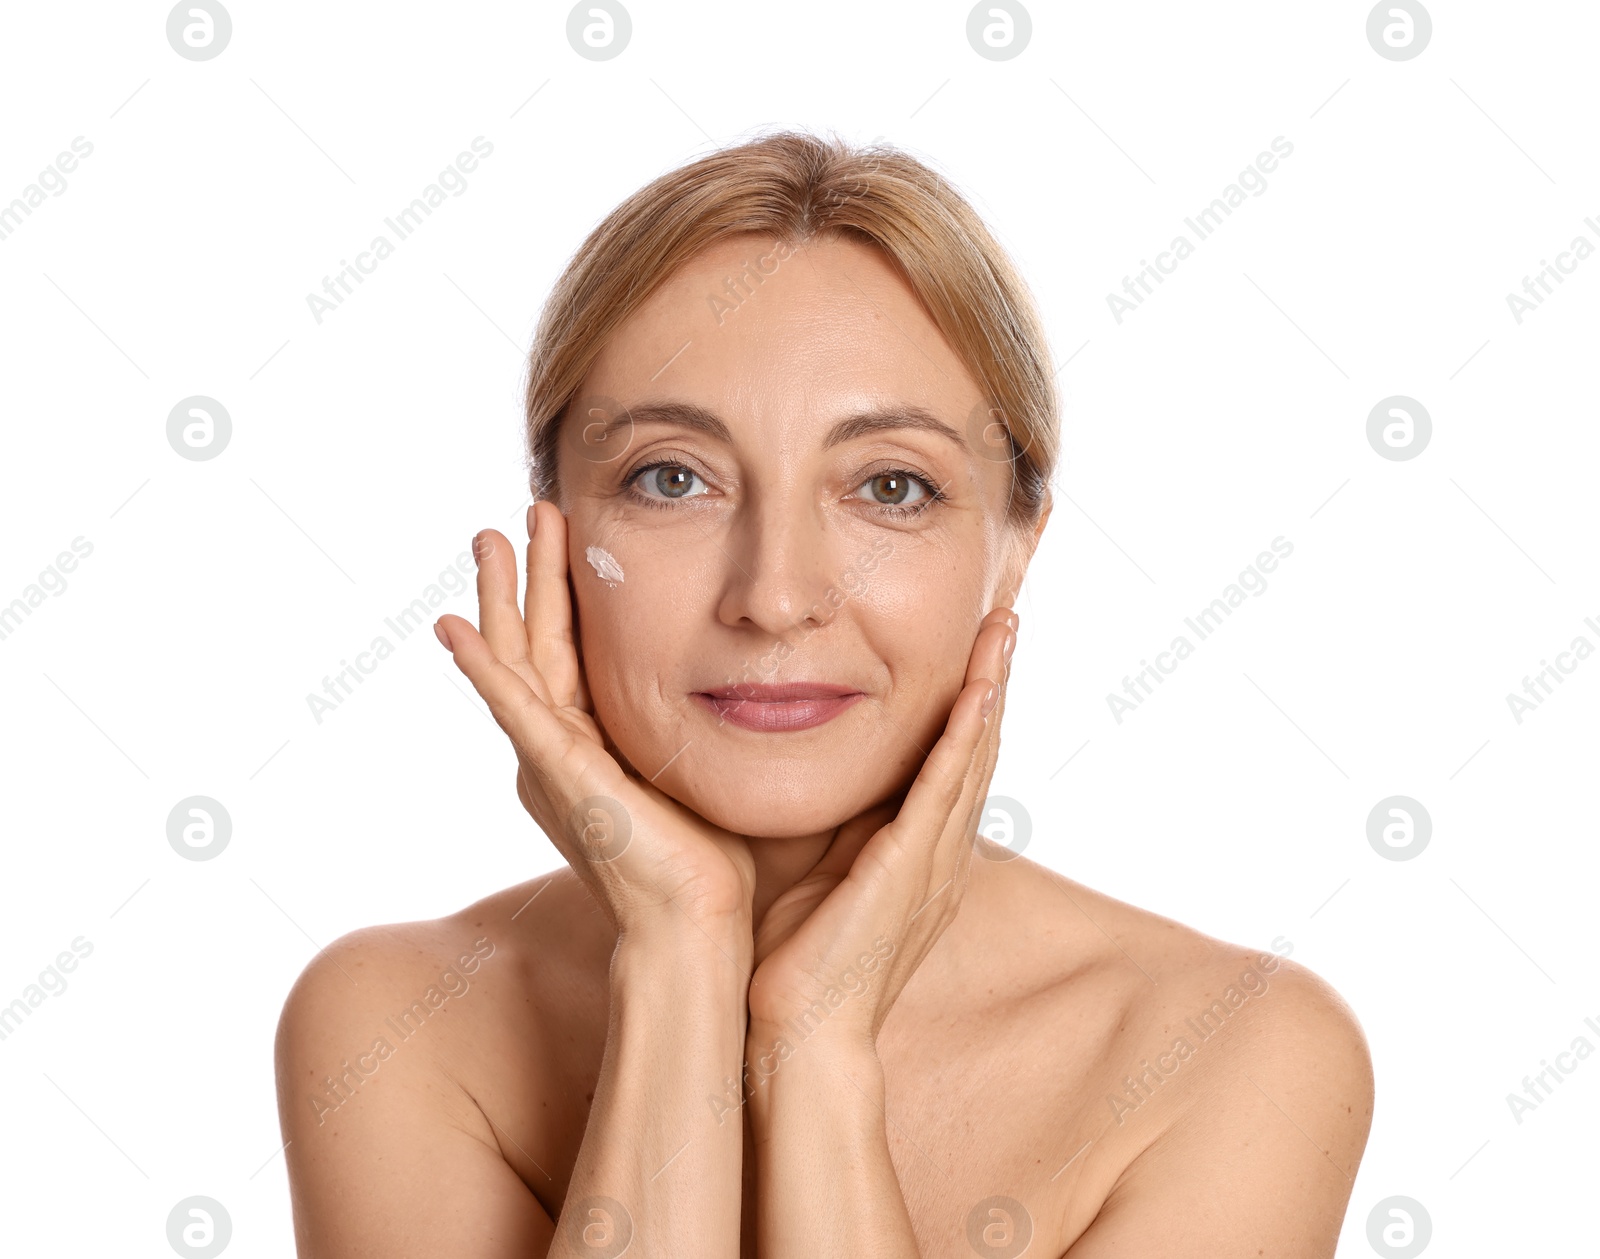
{"x":778,"y":706}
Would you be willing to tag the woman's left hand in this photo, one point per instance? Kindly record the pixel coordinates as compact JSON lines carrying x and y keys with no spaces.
{"x":888,"y":885}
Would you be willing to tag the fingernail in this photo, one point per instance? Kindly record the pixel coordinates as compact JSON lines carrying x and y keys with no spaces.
{"x":1011,"y":644}
{"x":533,"y":520}
{"x":442,"y":636}
{"x":988,"y":700}
{"x":480,"y":547}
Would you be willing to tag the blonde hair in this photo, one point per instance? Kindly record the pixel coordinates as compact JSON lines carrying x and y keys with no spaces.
{"x":797,"y":186}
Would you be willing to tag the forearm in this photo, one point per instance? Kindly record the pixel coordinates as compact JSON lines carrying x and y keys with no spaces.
{"x":825,"y":1182}
{"x":651,"y":1146}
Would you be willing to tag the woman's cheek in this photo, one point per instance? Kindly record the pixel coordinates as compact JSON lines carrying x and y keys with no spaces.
{"x":924,"y":614}
{"x":925,"y":589}
{"x":631,"y":627}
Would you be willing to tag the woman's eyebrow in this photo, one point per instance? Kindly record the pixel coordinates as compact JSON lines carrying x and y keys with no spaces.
{"x":859,"y":424}
{"x":887,"y":419}
{"x":678,"y":414}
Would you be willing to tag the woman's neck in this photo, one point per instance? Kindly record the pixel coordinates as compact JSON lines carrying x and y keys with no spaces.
{"x":781,"y":863}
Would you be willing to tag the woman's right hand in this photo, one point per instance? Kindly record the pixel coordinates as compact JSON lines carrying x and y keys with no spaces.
{"x":650,"y":862}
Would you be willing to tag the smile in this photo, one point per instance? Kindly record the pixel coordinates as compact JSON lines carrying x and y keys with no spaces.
{"x":778,"y":707}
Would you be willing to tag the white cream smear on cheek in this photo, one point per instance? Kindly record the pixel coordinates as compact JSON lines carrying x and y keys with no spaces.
{"x":605,"y":565}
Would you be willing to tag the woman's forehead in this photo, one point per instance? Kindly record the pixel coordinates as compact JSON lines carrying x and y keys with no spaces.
{"x":831,"y":328}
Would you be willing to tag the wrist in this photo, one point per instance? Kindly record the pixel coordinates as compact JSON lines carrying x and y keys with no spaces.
{"x":677,"y":951}
{"x":683,"y":1001}
{"x":840,"y":1065}
{"x":818,"y":1032}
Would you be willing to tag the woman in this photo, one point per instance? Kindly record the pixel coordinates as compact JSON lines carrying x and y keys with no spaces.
{"x":792,"y":427}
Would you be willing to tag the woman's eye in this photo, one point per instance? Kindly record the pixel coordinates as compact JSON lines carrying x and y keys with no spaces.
{"x":667,"y":480}
{"x":895,"y":489}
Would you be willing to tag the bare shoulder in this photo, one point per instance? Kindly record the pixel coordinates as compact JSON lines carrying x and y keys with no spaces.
{"x":1179,"y":975}
{"x":386,"y":1047}
{"x":384,"y":985}
{"x":1260,"y":1010}
{"x":397,"y":978}
{"x":1280,"y":1040}
{"x":1239,"y":1090}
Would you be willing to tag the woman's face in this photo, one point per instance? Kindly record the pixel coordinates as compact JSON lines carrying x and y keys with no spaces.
{"x":783,"y":535}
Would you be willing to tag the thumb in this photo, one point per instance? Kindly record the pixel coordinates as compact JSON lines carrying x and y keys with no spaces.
{"x":850,"y":839}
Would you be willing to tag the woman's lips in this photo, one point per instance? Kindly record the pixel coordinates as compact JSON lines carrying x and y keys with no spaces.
{"x":778,"y":706}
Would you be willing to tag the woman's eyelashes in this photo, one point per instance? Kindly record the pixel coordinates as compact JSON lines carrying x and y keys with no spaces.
{"x":664,"y":482}
{"x":900,"y":492}
{"x":894,"y":492}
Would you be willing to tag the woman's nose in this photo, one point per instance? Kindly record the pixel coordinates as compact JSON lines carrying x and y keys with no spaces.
{"x":779,"y":571}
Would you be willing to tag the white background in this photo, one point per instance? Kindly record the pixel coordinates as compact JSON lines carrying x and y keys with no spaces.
{"x":1229,"y":409}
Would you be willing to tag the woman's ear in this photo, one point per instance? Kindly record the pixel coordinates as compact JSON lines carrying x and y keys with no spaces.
{"x":1022,"y":542}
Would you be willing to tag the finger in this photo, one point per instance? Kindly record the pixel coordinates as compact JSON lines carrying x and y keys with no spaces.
{"x":942,"y":781}
{"x":849,"y":840}
{"x":956,"y":846}
{"x":962,"y":748}
{"x":581,"y":697}
{"x":537,"y":733}
{"x":499,"y":617}
{"x":1006,"y":614}
{"x":991,"y":660}
{"x":989,"y":652}
{"x":547,"y":606}
{"x":989,"y":754}
{"x":1006,"y":647}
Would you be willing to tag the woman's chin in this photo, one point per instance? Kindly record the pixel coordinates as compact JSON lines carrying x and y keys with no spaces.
{"x":772,"y":815}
